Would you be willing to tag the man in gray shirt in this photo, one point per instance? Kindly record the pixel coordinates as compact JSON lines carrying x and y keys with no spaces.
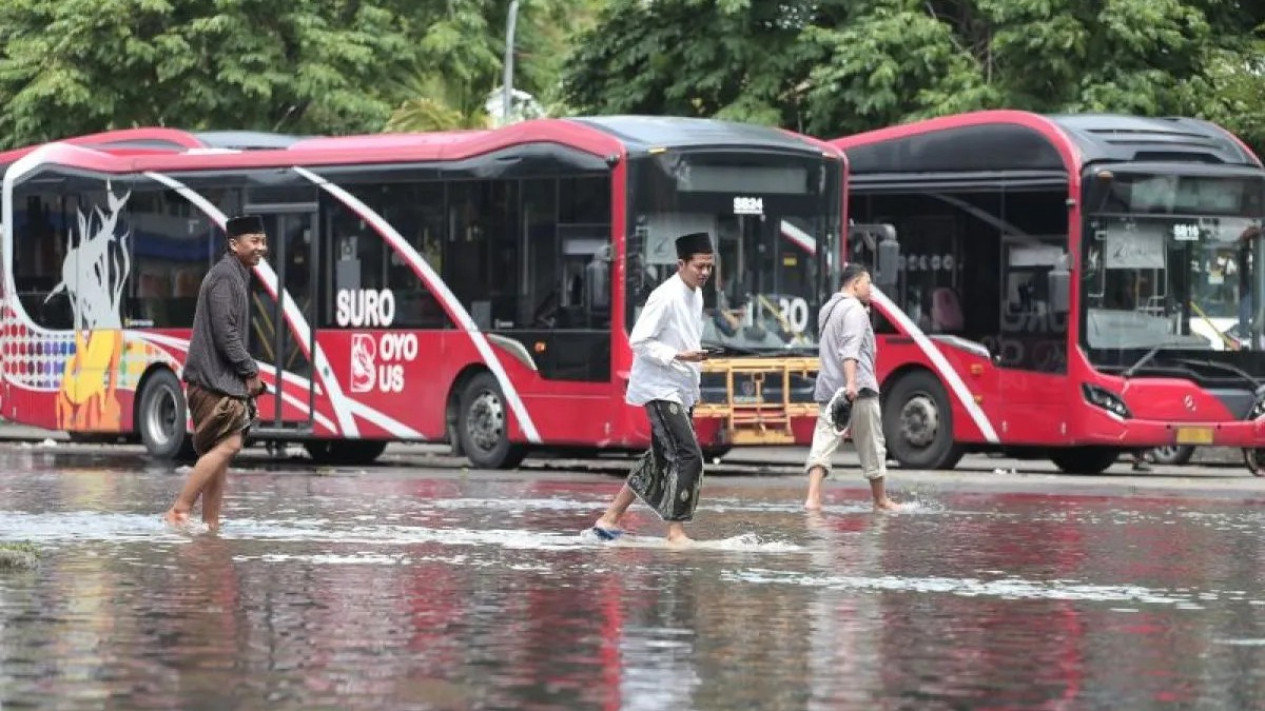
{"x":221,"y":375}
{"x":847,"y":350}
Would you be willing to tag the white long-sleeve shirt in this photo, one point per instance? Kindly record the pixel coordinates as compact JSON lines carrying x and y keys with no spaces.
{"x":670,"y":323}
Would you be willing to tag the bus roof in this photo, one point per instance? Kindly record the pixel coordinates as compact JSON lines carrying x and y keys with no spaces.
{"x":1007,"y":141}
{"x":643,"y":133}
{"x":165,"y":141}
{"x":602,"y":137}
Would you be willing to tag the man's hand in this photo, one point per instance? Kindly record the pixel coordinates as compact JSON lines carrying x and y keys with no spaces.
{"x":692,"y":356}
{"x":255,"y":386}
{"x":850,"y":391}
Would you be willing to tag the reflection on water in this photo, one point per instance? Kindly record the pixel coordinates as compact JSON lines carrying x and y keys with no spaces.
{"x":388,"y":591}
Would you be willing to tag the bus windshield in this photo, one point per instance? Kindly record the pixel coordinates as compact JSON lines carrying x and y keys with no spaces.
{"x":775,"y":219}
{"x":1172,"y":262}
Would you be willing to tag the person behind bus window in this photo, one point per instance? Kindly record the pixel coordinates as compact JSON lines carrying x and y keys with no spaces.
{"x":222,"y":378}
{"x":597,"y":280}
{"x":667,"y":350}
{"x":1246,"y":243}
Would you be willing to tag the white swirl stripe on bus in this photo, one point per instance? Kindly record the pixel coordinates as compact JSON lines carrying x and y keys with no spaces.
{"x":182,"y":345}
{"x":947,"y":373}
{"x":941,"y":364}
{"x":439,"y":289}
{"x":302,"y":331}
{"x":799,"y":237}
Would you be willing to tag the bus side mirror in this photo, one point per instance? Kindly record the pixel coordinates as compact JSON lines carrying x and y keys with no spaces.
{"x":1060,"y":287}
{"x":880,"y":239}
{"x":888,"y":257}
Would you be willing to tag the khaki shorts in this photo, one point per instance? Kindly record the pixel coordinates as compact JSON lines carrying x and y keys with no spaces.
{"x":866,"y":427}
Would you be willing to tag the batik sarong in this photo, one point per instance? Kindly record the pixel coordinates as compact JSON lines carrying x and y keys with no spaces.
{"x":669,"y":476}
{"x":216,"y":417}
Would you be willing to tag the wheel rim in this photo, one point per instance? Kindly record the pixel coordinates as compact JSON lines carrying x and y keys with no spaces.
{"x":919,"y":420}
{"x":1167,"y":453}
{"x":486,"y":423}
{"x":1254,"y":458}
{"x":161,"y":418}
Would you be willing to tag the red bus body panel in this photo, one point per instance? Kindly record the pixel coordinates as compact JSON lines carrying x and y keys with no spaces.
{"x":45,"y":386}
{"x":1024,"y":408}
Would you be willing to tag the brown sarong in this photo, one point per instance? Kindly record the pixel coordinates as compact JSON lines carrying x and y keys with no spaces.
{"x":216,"y":417}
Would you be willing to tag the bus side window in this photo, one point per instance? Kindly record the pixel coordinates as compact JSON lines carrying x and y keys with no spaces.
{"x":481,"y":262}
{"x":172,"y":250}
{"x":38,"y":250}
{"x":542,"y":293}
{"x":359,"y":258}
{"x":584,"y":231}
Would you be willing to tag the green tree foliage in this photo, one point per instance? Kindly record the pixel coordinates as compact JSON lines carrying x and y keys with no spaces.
{"x":73,"y":66}
{"x":837,"y":67}
{"x":1239,"y":80}
{"x":460,"y":59}
{"x":70,"y":67}
{"x":741,"y":59}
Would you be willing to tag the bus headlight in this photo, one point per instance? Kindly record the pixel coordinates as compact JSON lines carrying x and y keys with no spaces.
{"x":1105,"y":399}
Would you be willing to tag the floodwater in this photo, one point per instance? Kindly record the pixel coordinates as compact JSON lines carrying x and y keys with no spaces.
{"x":407,"y":589}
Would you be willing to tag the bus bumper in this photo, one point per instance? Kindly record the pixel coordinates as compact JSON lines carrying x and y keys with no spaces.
{"x":760,"y":405}
{"x":1107,"y":430}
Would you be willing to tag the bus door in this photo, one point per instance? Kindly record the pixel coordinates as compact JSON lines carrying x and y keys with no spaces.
{"x":274,"y":339}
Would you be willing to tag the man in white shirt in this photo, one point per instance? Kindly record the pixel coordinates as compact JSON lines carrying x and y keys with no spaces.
{"x":667,"y":350}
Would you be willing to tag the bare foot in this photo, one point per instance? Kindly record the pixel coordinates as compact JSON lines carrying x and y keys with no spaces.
{"x":813,"y":502}
{"x":886,"y":504}
{"x":606,"y":523}
{"x":676,"y":535}
{"x":679,"y":540}
{"x":176,"y":519}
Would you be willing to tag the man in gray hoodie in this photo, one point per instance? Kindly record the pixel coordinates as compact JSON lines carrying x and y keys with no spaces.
{"x":847,"y":352}
{"x":222,"y":377}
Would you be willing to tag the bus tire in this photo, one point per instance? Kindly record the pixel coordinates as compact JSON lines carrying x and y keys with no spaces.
{"x":1175,"y":455}
{"x":161,"y":417}
{"x":918,"y":423}
{"x":714,"y":454}
{"x":483,"y":425}
{"x":1085,"y":460}
{"x":345,"y":452}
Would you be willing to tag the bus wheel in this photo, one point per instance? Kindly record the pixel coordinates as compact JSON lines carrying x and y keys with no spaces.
{"x":1085,"y":460}
{"x":918,"y":423}
{"x":483,"y":425}
{"x":1177,"y":454}
{"x":162,"y":416}
{"x":350,"y":451}
{"x":1255,"y":461}
{"x":714,"y":454}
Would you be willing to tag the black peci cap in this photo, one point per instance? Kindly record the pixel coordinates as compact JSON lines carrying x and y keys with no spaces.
{"x":694,"y":243}
{"x":244,"y":225}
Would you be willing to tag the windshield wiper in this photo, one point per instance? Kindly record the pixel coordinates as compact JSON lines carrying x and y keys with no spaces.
{"x":760,"y":352}
{"x":728,"y":350}
{"x":1224,"y":366}
{"x":1146,"y":357}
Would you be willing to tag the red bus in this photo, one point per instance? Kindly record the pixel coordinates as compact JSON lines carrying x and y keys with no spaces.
{"x":1060,"y":282}
{"x":474,"y":287}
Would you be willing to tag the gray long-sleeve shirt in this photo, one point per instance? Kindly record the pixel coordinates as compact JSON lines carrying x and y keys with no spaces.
{"x":218,"y":359}
{"x":846,"y":334}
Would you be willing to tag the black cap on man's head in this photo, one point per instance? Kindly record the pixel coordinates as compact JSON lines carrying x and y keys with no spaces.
{"x":244,"y":225}
{"x":694,"y":243}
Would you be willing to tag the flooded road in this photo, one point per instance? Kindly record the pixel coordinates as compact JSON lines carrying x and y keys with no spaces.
{"x":410,"y":589}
